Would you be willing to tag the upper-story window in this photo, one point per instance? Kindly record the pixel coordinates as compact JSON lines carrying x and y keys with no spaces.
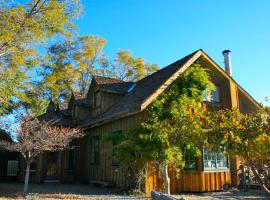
{"x":97,"y":99}
{"x":214,"y":96}
{"x":74,"y":112}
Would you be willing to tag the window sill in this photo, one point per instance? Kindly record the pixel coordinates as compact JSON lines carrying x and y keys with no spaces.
{"x":216,"y":170}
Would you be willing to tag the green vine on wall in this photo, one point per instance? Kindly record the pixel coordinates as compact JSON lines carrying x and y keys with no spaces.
{"x":170,"y":128}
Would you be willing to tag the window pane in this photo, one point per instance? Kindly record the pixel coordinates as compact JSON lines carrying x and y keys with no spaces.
{"x":97,"y":99}
{"x":191,"y":164}
{"x":191,"y":161}
{"x":216,"y":94}
{"x":117,"y":135}
{"x":71,"y":159}
{"x":94,"y":154}
{"x":213,"y":161}
{"x":221,"y":160}
{"x":207,"y":96}
{"x":209,"y":164}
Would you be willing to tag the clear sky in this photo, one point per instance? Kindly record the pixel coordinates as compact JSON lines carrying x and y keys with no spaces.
{"x":163,"y":31}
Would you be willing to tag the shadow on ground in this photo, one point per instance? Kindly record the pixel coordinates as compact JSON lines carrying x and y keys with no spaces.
{"x":63,"y":191}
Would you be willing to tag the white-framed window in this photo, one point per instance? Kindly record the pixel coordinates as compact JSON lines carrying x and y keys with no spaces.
{"x":214,"y":160}
{"x":214,"y":96}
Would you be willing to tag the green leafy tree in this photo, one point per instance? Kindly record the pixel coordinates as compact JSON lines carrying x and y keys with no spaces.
{"x":70,"y":65}
{"x":67,"y":67}
{"x":173,"y":126}
{"x":129,"y":68}
{"x":58,"y":75}
{"x":87,"y":52}
{"x":105,"y":68}
{"x":23,"y":27}
{"x":246,"y":136}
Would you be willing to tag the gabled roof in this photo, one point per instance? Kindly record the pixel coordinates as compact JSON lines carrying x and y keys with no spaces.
{"x":78,"y":95}
{"x":151,"y":87}
{"x":80,"y":99}
{"x":61,"y":117}
{"x":58,"y":113}
{"x":112,"y":85}
{"x":84,"y":102}
{"x":131,"y":103}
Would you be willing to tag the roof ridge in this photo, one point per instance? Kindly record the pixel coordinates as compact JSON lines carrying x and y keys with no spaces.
{"x":158,"y":71}
{"x":172,"y":64}
{"x":116,"y":79}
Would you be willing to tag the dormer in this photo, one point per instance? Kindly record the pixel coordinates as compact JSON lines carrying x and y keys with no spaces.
{"x":105,"y":92}
{"x":80,"y":106}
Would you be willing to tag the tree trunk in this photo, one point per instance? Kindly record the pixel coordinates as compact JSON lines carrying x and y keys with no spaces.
{"x":166,"y":179}
{"x":262,"y":185}
{"x":26,"y":178}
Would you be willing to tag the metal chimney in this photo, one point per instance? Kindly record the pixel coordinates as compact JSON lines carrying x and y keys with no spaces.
{"x":227,"y":61}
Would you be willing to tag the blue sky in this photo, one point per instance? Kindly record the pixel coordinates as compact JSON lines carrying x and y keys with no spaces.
{"x":162,"y":31}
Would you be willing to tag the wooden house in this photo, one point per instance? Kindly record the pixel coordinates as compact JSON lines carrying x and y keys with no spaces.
{"x":115,"y":105}
{"x":9,"y":161}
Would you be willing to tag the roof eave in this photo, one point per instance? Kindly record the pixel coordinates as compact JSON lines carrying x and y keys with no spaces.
{"x":164,"y":86}
{"x":107,"y":120}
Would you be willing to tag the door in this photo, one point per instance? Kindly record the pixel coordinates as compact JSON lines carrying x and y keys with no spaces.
{"x":51,"y":171}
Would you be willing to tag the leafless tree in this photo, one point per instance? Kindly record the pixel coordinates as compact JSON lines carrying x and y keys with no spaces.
{"x":261,"y":172}
{"x":37,"y":136}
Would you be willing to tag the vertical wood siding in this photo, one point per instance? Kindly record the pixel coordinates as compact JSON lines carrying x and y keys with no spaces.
{"x":191,"y":182}
{"x":104,"y":170}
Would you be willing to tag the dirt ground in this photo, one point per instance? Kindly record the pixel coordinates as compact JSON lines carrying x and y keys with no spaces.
{"x":67,"y":191}
{"x":249,"y":195}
